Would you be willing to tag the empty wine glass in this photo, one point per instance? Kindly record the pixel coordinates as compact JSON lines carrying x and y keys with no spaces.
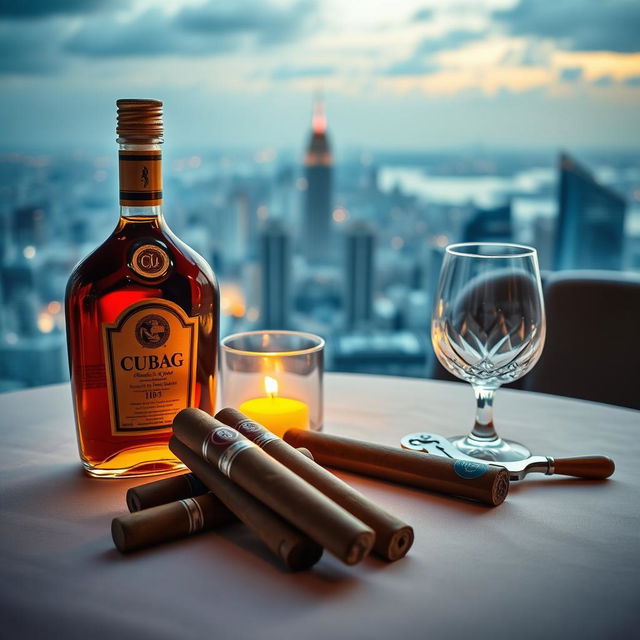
{"x":488,"y":328}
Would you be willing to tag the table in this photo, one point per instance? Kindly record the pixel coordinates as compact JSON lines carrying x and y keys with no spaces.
{"x":559,"y":558}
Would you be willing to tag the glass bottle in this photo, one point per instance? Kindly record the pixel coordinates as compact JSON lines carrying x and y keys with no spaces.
{"x":142,"y":316}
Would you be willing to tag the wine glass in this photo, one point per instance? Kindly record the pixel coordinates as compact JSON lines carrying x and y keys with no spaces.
{"x":488,"y":328}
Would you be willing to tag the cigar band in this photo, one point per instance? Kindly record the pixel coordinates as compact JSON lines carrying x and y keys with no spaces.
{"x":222,"y":436}
{"x":194,"y":513}
{"x":468,"y":469}
{"x":231,"y":453}
{"x":256,"y":432}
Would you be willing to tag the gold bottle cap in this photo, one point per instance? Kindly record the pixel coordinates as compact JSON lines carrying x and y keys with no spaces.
{"x":139,"y":121}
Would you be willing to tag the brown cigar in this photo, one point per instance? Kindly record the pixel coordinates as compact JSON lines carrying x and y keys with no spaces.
{"x":478,"y":481}
{"x":393,"y":537}
{"x":163,"y":491}
{"x":168,"y":522}
{"x":167,"y":490}
{"x":294,"y":548}
{"x":273,"y":484}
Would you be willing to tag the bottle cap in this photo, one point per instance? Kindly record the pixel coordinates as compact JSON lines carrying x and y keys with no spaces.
{"x":139,"y":121}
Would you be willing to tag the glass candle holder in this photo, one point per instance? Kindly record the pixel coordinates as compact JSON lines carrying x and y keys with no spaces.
{"x":275,"y":378}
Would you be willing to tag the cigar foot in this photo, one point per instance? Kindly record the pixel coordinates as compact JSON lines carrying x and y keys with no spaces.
{"x":133,"y":502}
{"x":360,"y":548}
{"x":302,"y":556}
{"x":119,"y":536}
{"x":399,"y":543}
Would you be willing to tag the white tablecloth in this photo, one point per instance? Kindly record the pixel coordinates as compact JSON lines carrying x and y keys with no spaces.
{"x":560,"y":558}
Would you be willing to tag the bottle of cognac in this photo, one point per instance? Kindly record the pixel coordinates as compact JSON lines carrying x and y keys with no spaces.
{"x":142,"y":320}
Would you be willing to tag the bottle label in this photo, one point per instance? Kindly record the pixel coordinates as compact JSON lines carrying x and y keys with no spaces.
{"x":150,"y":357}
{"x":140,"y":178}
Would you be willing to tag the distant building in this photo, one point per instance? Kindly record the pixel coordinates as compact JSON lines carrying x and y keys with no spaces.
{"x":434,"y":260}
{"x":29,"y":226}
{"x":490,"y":225}
{"x":359,"y":267}
{"x":544,"y":233}
{"x":590,"y":232}
{"x":316,"y":230}
{"x":275,"y":264}
{"x":237,"y":227}
{"x":398,"y":353}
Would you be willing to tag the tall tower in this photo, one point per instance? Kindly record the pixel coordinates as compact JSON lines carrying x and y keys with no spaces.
{"x":318,"y":172}
{"x":590,"y":231}
{"x":360,"y":246}
{"x":275,"y":263}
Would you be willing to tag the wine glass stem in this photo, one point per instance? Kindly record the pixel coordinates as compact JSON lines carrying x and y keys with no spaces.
{"x":483,"y":427}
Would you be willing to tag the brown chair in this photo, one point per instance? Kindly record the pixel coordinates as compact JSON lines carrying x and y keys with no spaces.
{"x":592,"y":349}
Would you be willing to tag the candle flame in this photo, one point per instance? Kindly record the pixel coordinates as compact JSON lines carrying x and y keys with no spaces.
{"x":270,"y":386}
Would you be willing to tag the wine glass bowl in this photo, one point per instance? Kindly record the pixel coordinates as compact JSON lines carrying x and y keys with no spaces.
{"x":488,"y":328}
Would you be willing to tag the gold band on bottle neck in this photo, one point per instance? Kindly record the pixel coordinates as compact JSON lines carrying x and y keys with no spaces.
{"x":140,"y":129}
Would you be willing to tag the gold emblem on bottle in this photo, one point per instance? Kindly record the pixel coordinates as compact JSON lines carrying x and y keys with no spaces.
{"x":150,"y":261}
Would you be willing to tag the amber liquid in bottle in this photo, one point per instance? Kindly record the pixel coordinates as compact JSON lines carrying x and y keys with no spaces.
{"x":142,"y":327}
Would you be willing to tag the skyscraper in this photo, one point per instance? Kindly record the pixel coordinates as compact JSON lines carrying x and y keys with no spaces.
{"x":275,"y":263}
{"x":360,"y":243}
{"x":489,"y":225}
{"x":318,"y":163}
{"x":590,"y":233}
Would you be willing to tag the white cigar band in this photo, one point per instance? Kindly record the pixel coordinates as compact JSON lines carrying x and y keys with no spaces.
{"x":221,"y":436}
{"x":231,"y":453}
{"x":258,"y":434}
{"x":194,"y":513}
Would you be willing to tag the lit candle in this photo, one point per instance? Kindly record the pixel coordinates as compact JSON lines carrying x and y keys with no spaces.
{"x":275,"y":413}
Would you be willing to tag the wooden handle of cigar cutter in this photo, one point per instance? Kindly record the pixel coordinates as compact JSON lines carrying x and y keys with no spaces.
{"x":592,"y":467}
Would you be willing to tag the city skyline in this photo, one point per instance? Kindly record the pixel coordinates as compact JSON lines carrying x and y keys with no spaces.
{"x":384,"y":224}
{"x":419,"y":75}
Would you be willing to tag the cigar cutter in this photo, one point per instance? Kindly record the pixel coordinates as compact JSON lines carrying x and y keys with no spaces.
{"x":593,"y":467}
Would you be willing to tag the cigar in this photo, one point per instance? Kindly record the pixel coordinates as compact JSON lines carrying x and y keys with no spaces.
{"x":167,"y":490}
{"x":393,"y":537}
{"x":152,"y":494}
{"x":168,"y":522}
{"x":295,"y":549}
{"x":475,"y":480}
{"x":301,"y":504}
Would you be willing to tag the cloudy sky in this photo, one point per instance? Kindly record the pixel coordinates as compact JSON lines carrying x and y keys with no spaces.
{"x":403,"y":74}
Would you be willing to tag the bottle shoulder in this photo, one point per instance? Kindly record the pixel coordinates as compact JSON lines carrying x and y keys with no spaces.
{"x":206,"y":272}
{"x":110,"y":265}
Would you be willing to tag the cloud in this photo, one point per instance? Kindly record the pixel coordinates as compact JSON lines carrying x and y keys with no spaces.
{"x":29,"y":9}
{"x":534,"y":54}
{"x":580,"y":25}
{"x":270,"y":22}
{"x":571,"y":74}
{"x":30,"y":48}
{"x":604,"y":81}
{"x":411,"y":67}
{"x":447,"y":42}
{"x":287,"y":72}
{"x":151,"y":33}
{"x":219,"y":26}
{"x":420,"y":62}
{"x":422,"y":15}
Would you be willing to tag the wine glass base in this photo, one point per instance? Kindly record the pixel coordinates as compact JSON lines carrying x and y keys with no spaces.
{"x":499,"y":450}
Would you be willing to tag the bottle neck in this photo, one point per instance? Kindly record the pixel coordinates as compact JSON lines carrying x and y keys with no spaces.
{"x":140,"y":167}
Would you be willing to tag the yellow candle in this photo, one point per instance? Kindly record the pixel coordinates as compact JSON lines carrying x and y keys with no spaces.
{"x":275,"y":413}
